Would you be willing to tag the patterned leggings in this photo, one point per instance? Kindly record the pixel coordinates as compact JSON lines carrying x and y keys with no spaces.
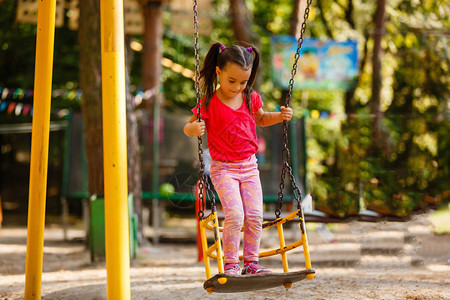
{"x":239,"y":188}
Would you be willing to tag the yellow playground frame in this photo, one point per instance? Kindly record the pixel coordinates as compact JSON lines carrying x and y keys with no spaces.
{"x":115,"y":159}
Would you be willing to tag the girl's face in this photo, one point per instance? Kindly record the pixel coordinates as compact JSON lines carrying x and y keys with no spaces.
{"x":233,"y":79}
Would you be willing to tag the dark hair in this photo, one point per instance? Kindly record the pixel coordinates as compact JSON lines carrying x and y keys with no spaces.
{"x":219,"y":55}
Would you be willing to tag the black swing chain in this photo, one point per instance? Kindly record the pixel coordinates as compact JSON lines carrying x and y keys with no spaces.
{"x":285,"y":155}
{"x":202,"y":182}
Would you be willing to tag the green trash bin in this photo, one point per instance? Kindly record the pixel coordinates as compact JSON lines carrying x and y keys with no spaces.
{"x":97,"y":228}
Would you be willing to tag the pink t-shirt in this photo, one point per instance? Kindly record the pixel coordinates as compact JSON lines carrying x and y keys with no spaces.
{"x":231,"y":132}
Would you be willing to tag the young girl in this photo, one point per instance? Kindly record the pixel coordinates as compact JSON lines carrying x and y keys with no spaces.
{"x":229,"y":115}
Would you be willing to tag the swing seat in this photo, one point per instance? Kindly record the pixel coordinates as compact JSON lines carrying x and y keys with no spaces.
{"x":225,"y":283}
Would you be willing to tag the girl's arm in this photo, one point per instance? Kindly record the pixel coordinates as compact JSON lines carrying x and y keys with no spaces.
{"x":194,"y":128}
{"x":264,"y":119}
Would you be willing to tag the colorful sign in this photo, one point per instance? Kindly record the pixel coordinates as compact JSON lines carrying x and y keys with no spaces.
{"x":323,"y":65}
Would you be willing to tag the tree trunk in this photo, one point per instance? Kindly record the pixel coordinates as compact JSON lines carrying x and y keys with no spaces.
{"x":151,"y":79}
{"x":91,"y":85}
{"x":153,"y":34}
{"x":241,"y":24}
{"x":133,"y":154}
{"x":375,"y":101}
{"x":350,"y":103}
{"x":239,"y":21}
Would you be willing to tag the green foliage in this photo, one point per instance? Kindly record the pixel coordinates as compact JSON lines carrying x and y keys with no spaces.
{"x":17,"y":55}
{"x":17,"y":43}
{"x":414,"y":161}
{"x":344,"y":169}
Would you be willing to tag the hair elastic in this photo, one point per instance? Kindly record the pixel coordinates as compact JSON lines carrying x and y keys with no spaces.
{"x":223,"y":47}
{"x":250,"y":49}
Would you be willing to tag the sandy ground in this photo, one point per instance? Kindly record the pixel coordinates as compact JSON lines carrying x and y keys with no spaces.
{"x":353,"y":261}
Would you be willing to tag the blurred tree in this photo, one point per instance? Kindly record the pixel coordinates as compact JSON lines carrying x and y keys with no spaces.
{"x":152,"y":80}
{"x":91,"y":85}
{"x":352,"y":20}
{"x":375,"y":101}
{"x":133,"y":153}
{"x":17,"y":52}
{"x":152,"y":53}
{"x":240,"y":21}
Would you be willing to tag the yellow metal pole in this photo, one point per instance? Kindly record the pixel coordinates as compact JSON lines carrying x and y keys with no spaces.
{"x":115,"y":150}
{"x":45,"y":38}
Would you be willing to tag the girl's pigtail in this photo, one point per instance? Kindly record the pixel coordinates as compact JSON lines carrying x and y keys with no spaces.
{"x":251,"y":80}
{"x":208,"y":73}
{"x":255,"y":66}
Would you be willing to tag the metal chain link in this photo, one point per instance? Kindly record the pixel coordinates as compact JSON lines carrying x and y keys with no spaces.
{"x":280,"y":193}
{"x":201,"y":202}
{"x":285,"y":155}
{"x":203,"y":182}
{"x":196,"y":59}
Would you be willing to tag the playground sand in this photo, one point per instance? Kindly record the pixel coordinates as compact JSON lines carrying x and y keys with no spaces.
{"x":363,"y":268}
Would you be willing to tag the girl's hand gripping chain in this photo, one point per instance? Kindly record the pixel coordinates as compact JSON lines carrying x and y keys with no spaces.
{"x":286,"y":113}
{"x":198,"y":127}
{"x":195,"y":128}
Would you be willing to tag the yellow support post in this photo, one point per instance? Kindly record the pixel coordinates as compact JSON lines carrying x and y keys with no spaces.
{"x":115,"y":150}
{"x":205,"y":248}
{"x":218,"y":243}
{"x":305,"y":248}
{"x":45,"y":39}
{"x":282,"y":246}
